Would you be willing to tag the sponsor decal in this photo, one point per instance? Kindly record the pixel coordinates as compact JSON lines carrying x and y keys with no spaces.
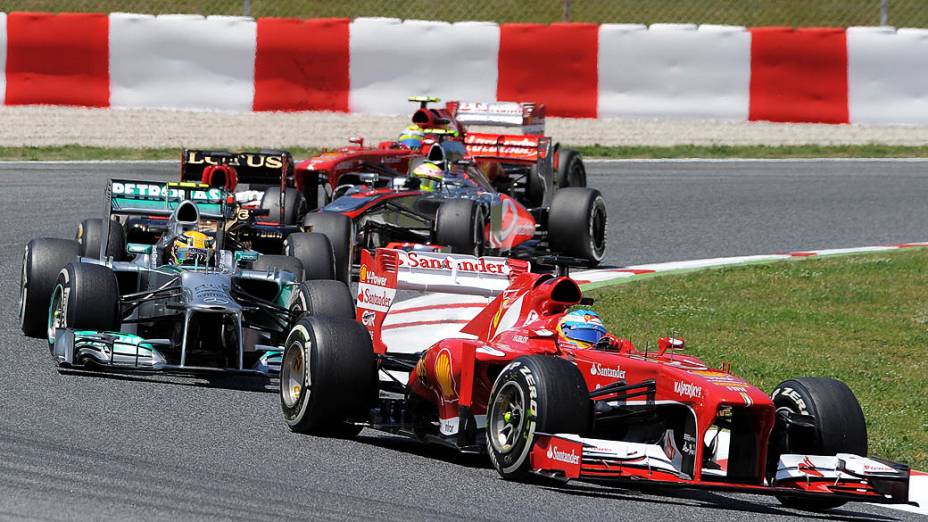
{"x":377,"y":298}
{"x":543,"y":332}
{"x":489,"y":350}
{"x":563,"y":456}
{"x":367,"y":317}
{"x":444,"y":376}
{"x":155,"y":190}
{"x":520,"y":338}
{"x":368,"y":276}
{"x":246,"y":159}
{"x":606,"y":371}
{"x":686,"y":389}
{"x":532,"y":316}
{"x":747,"y":398}
{"x":794,"y":396}
{"x":448,"y":426}
{"x":481,"y":265}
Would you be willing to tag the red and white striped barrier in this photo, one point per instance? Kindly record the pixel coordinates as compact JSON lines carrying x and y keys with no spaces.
{"x":370,"y":65}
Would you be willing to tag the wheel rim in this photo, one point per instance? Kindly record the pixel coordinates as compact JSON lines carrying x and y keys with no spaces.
{"x":294,"y":381}
{"x":598,"y":231}
{"x":57,"y":315}
{"x":507,"y":418}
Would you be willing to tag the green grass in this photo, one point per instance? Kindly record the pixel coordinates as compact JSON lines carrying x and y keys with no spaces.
{"x":78,"y":152}
{"x":902,"y":13}
{"x":862,"y":319}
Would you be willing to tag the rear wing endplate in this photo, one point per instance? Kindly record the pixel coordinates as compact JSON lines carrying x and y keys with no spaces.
{"x":386,"y":271}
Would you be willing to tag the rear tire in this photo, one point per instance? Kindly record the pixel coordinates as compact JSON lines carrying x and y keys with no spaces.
{"x":42,"y":260}
{"x":562,"y":405}
{"x":86,"y":297}
{"x":577,"y":224}
{"x":570,"y":170}
{"x":461,"y":225}
{"x":336,"y":227}
{"x":314,"y":252}
{"x":285,"y":263}
{"x":329,"y":298}
{"x":328,"y":376}
{"x":295,"y":205}
{"x":840,"y":426}
{"x":90,"y":235}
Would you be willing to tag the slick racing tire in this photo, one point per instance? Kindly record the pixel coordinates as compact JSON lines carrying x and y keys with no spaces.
{"x":90,"y":235}
{"x":840,"y":426}
{"x":42,"y":260}
{"x":314,"y":252}
{"x":534,"y":188}
{"x":328,"y":376}
{"x":561,"y":405}
{"x":286,"y":263}
{"x":577,"y":224}
{"x":570,"y":170}
{"x":336,"y":227}
{"x":328,"y":298}
{"x":86,"y":297}
{"x":295,"y":205}
{"x":461,"y":225}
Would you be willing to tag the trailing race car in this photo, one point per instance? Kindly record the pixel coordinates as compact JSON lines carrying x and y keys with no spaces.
{"x":546,"y":391}
{"x":448,"y":203}
{"x":182,"y":302}
{"x":530,"y":167}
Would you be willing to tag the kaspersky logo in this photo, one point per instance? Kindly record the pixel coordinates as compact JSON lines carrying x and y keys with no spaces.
{"x":563,"y":456}
{"x":687,"y":390}
{"x":605,"y":371}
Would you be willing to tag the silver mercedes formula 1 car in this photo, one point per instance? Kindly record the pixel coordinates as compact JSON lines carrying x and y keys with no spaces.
{"x":151,"y":287}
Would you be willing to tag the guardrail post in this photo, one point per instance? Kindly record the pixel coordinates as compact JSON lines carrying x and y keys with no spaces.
{"x":566,"y":15}
{"x":884,"y":12}
{"x":246,"y":7}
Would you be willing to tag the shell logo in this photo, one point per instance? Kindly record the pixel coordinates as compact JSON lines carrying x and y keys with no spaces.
{"x":362,"y":276}
{"x":443,"y":375}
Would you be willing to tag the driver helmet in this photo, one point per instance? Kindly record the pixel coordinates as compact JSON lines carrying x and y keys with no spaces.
{"x":580,"y":329}
{"x":430,"y":176}
{"x":191,"y":248}
{"x":411,"y":137}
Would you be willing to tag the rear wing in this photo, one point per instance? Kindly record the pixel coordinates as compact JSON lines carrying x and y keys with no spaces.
{"x":508,"y":147}
{"x":160,"y":198}
{"x":266,"y":168}
{"x":529,"y":116}
{"x":386,"y":271}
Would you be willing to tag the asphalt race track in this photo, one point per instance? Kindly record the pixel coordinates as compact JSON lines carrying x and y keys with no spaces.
{"x":84,"y":447}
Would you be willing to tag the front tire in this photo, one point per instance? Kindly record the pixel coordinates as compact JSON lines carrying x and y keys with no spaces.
{"x":330,"y":298}
{"x":86,"y":297}
{"x":461,"y":225}
{"x":336,"y":227}
{"x":577,"y":224}
{"x":314,"y":252}
{"x":840,"y":426}
{"x":42,"y":260}
{"x":327,"y":377}
{"x":561,"y":405}
{"x":274,"y":262}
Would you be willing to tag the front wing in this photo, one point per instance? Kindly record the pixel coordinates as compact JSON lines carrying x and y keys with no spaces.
{"x":840,"y":477}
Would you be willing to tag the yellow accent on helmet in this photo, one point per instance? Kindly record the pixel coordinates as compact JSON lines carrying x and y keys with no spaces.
{"x":430,"y":176}
{"x":191,"y":247}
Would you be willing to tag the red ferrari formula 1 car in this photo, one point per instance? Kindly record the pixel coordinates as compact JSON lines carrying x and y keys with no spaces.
{"x":545,"y":391}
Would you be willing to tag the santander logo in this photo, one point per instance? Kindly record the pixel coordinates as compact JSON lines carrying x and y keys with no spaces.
{"x":605,"y":371}
{"x":563,"y":456}
{"x":481,"y":265}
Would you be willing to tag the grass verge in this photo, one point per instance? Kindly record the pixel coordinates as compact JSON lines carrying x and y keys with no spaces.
{"x":862,"y":319}
{"x":80,"y":152}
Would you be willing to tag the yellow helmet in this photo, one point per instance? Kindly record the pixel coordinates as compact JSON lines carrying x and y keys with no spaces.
{"x":430,"y":176}
{"x":191,"y":248}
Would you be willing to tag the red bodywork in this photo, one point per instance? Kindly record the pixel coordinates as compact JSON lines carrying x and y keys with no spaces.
{"x":457,"y":374}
